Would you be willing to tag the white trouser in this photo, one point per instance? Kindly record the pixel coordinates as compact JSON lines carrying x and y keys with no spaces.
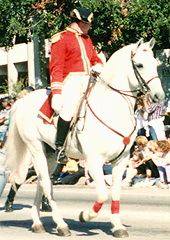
{"x":159,"y":127}
{"x":72,"y":91}
{"x":167,"y":169}
{"x":3,"y":181}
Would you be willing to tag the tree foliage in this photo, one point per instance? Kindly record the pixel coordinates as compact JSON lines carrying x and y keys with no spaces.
{"x":116,"y":22}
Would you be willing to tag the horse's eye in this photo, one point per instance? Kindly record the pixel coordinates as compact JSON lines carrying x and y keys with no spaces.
{"x":139,"y":65}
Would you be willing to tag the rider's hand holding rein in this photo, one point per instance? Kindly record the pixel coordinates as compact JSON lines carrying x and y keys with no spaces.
{"x":97,"y":68}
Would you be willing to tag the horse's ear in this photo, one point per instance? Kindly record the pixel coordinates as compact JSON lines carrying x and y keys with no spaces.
{"x":141,"y":41}
{"x":152,"y":43}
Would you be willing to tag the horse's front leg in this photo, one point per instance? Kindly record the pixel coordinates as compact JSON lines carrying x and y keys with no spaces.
{"x":96,"y":171}
{"x":119,"y":230}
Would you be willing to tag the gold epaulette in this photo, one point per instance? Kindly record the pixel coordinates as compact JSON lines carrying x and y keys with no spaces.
{"x":56,"y":37}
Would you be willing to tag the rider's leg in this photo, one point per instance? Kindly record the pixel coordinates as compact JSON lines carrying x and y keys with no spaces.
{"x":62,"y":130}
{"x":70,"y":100}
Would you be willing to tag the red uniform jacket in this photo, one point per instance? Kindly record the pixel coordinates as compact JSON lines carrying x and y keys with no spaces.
{"x":70,"y":52}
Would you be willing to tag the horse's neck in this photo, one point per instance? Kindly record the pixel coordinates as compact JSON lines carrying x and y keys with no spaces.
{"x":119,"y":83}
{"x":119,"y":74}
{"x":106,"y":97}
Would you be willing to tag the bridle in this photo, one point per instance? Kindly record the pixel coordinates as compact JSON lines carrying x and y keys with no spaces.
{"x":144,"y":88}
{"x":143,"y":85}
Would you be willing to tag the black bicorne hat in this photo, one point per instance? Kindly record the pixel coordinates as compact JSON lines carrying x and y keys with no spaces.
{"x":82,"y":14}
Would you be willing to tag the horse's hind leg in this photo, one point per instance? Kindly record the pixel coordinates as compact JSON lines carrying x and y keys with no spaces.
{"x":119,"y":230}
{"x":41,"y":167}
{"x":37,"y":225}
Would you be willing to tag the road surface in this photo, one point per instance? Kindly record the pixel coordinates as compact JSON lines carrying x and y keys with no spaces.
{"x":144,"y":211}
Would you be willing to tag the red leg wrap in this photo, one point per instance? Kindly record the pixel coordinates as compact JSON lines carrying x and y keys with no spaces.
{"x":115,"y":207}
{"x":97,"y":206}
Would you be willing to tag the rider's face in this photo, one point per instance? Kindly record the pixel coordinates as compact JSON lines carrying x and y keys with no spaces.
{"x":85,"y":27}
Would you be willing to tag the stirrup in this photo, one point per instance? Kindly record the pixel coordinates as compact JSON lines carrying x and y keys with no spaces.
{"x":60,"y":155}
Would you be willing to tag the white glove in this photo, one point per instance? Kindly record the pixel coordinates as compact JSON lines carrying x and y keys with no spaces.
{"x":56,"y":102}
{"x":97,"y":68}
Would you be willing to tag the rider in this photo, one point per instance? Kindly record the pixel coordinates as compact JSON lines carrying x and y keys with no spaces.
{"x":73,"y":57}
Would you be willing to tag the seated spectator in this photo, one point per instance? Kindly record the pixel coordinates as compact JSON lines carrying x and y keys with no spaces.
{"x":141,"y":143}
{"x":57,"y":172}
{"x":62,"y":170}
{"x":150,"y":164}
{"x":107,"y":170}
{"x":136,"y":168}
{"x":78,"y":171}
{"x":70,"y":174}
{"x":161,"y":158}
{"x":141,"y":166}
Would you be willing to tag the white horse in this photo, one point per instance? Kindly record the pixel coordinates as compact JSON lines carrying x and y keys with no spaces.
{"x":105,"y":131}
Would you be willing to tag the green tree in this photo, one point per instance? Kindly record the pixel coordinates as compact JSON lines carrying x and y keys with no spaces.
{"x":147,"y":18}
{"x":116,"y":23}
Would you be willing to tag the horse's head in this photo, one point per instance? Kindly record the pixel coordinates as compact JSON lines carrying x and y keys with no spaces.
{"x":145,"y":69}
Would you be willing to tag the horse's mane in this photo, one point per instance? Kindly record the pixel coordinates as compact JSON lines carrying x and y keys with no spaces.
{"x":119,"y":60}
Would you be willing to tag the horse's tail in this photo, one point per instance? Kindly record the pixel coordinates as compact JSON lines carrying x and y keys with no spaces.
{"x":18,"y":156}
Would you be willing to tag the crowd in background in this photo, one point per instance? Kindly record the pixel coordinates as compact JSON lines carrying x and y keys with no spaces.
{"x":149,"y":164}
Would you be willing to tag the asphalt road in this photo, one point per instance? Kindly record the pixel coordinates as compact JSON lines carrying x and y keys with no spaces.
{"x":144,"y":211}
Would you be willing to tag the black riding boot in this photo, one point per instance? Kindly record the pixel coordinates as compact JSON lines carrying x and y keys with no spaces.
{"x":62,"y":130}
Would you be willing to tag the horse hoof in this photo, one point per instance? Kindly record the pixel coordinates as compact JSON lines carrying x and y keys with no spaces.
{"x":64,"y":232}
{"x":120,"y":233}
{"x":81,"y":218}
{"x":38,"y":229}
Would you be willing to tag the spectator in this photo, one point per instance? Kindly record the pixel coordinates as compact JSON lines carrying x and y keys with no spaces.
{"x":3,"y":171}
{"x":141,"y":143}
{"x":63,"y":170}
{"x":142,"y":118}
{"x":151,"y":168}
{"x":4,"y":118}
{"x":107,"y":170}
{"x":150,"y":165}
{"x":136,"y":168}
{"x":155,"y":119}
{"x":25,"y":91}
{"x":141,"y":166}
{"x":161,"y":157}
{"x":74,"y":177}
